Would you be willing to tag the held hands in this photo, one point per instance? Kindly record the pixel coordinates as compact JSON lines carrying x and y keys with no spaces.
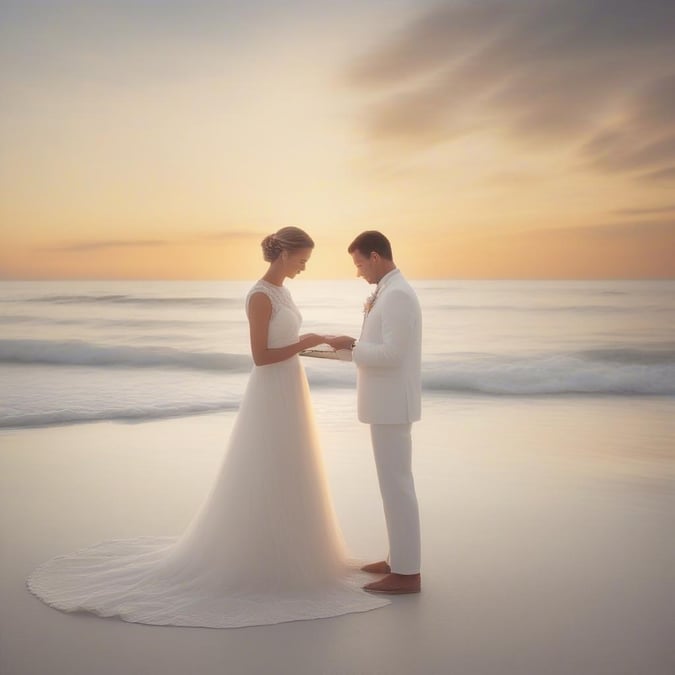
{"x":310,"y":340}
{"x":338,"y":342}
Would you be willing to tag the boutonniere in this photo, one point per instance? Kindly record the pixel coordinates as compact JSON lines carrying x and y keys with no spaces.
{"x":368,"y":304}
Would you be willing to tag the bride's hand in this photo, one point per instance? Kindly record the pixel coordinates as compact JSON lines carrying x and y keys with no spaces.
{"x":312,"y":340}
{"x":340,"y":341}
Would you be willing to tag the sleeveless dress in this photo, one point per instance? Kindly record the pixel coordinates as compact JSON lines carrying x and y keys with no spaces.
{"x":264,"y":547}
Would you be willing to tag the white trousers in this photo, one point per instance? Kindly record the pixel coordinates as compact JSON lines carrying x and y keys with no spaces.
{"x":392,"y":446}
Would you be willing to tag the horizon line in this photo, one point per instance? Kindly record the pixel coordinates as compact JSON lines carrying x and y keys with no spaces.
{"x":250,"y":279}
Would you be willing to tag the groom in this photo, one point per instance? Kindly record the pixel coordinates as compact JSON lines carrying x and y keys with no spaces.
{"x":387,"y":357}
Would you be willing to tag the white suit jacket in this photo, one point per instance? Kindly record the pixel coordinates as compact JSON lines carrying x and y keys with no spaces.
{"x":388,"y":355}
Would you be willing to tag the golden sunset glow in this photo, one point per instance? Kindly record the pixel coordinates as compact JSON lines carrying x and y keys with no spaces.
{"x":486,"y":139}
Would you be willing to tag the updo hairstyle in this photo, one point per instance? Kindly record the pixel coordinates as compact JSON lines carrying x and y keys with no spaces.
{"x":286,"y":239}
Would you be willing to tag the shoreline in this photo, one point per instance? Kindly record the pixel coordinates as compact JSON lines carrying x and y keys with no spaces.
{"x":430,"y":397}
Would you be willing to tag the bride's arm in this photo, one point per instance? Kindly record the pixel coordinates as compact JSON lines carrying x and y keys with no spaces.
{"x":259,"y":315}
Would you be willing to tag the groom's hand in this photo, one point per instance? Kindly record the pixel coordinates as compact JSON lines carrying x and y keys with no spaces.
{"x":341,"y":342}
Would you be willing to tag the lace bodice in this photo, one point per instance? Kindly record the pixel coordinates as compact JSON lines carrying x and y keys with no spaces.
{"x":286,"y":318}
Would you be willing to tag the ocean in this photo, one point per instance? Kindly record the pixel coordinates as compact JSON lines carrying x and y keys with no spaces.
{"x":81,"y":351}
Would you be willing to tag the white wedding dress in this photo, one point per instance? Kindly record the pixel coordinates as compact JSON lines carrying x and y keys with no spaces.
{"x":264,"y":547}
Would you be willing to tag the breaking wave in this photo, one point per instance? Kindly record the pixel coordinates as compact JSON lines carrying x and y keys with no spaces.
{"x":81,"y":353}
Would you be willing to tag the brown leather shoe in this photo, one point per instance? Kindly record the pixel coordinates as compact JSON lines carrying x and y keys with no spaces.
{"x":396,"y":584}
{"x":381,"y":567}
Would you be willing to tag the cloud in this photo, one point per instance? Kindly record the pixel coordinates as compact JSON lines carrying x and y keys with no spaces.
{"x":226,"y":235}
{"x":645,"y":138}
{"x":84,"y":247}
{"x":598,"y":77}
{"x":660,"y":175}
{"x":223,"y":236}
{"x":645,"y":211}
{"x":638,"y":229}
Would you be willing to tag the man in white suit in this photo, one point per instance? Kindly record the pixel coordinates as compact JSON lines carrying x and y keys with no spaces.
{"x":388,"y":360}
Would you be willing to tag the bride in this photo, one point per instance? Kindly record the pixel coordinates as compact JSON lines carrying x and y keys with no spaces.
{"x":265,"y":546}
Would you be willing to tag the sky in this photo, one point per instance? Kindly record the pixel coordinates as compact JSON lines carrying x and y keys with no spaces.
{"x":493,"y":139}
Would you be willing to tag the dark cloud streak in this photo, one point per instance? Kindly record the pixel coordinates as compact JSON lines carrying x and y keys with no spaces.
{"x":84,"y":247}
{"x":661,"y":175}
{"x":232,"y":234}
{"x":201,"y":239}
{"x":637,"y":229}
{"x":598,"y":76}
{"x":645,"y":211}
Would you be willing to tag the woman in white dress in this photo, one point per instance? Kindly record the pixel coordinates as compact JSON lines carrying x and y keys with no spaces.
{"x":265,"y":546}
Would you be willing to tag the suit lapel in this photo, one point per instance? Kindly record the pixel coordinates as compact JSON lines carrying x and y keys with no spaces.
{"x":377,"y":295}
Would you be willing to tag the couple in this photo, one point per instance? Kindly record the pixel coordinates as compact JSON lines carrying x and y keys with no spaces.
{"x":265,"y":546}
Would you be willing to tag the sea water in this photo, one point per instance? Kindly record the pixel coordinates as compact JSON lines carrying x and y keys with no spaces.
{"x":80,"y":351}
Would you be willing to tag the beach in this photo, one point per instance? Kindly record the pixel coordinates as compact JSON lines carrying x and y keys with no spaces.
{"x":547,"y":541}
{"x":163,"y":163}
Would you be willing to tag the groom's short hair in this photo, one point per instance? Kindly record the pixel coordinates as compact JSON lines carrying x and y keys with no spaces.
{"x":369,"y":242}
